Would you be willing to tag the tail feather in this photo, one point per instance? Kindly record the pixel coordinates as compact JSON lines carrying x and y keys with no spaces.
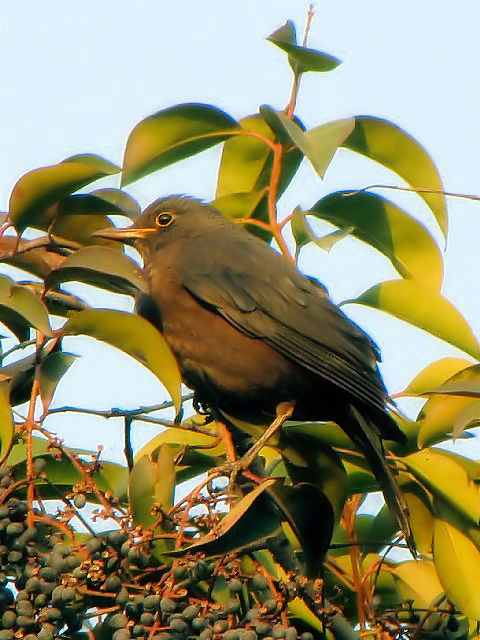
{"x":364,"y":433}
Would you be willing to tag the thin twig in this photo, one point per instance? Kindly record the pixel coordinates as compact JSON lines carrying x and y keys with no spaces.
{"x":121,"y":413}
{"x":297,"y":74}
{"x":439,"y":192}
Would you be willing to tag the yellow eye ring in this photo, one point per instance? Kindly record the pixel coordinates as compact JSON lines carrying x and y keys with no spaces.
{"x":164,"y":219}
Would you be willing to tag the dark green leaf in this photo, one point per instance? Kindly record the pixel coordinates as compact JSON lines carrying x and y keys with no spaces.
{"x":38,"y":189}
{"x":308,"y":459}
{"x":310,"y":515}
{"x":424,"y":308}
{"x":102,"y":267}
{"x":377,"y":221}
{"x":391,"y":146}
{"x":172,"y":135}
{"x":136,"y":337}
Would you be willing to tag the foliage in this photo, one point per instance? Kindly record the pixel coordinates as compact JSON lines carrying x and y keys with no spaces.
{"x":256,"y":557}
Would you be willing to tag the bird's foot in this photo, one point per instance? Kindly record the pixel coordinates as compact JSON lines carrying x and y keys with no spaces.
{"x":233,"y":468}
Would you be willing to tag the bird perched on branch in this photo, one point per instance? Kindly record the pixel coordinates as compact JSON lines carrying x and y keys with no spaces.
{"x":254,"y":337}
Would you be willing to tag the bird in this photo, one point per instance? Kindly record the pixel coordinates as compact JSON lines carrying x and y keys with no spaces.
{"x":254,"y":337}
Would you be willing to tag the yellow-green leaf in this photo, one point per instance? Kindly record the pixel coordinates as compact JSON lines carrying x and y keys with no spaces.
{"x":417,"y":580}
{"x":389,"y":229}
{"x":172,"y":135}
{"x":457,"y":561}
{"x":319,"y":144}
{"x":391,"y":146}
{"x":184,"y":438}
{"x":102,"y":267}
{"x":246,"y":161}
{"x":447,"y":479}
{"x":7,"y":427}
{"x":38,"y":189}
{"x":420,"y":516}
{"x":247,"y":204}
{"x":20,"y":305}
{"x":434,"y":374}
{"x":424,"y":308}
{"x":151,"y":484}
{"x":136,"y":337}
{"x":443,"y":411}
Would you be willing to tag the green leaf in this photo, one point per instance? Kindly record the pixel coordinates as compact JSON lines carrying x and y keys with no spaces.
{"x":457,"y":561}
{"x":20,"y":306}
{"x":172,"y":135}
{"x":301,"y":58}
{"x":80,"y":229}
{"x":391,"y":146}
{"x":284,"y":34}
{"x":136,"y":337}
{"x":389,"y":229}
{"x":249,"y":521}
{"x":319,"y":144}
{"x":102,"y":267}
{"x":151,"y":486}
{"x":7,"y":427}
{"x":246,"y":162}
{"x":426,"y":309}
{"x":447,"y":479}
{"x":249,"y":204}
{"x":38,"y":189}
{"x":433,"y":375}
{"x":121,"y":201}
{"x":52,"y":370}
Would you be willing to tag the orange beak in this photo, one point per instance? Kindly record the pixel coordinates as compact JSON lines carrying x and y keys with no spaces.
{"x":127,"y":236}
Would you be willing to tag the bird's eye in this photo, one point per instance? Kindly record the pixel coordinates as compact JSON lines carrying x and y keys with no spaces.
{"x":164,"y":219}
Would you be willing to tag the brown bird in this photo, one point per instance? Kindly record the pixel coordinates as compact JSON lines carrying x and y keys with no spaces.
{"x":255,"y":338}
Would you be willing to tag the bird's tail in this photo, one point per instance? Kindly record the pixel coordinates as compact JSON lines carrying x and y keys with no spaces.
{"x":365,"y":435}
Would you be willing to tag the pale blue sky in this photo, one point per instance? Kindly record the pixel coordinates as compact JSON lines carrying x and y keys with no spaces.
{"x":76,"y":77}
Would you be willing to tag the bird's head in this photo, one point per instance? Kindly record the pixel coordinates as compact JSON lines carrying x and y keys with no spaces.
{"x":165,"y":221}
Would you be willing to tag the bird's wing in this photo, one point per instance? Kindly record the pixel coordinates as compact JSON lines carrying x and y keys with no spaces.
{"x":262,"y":295}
